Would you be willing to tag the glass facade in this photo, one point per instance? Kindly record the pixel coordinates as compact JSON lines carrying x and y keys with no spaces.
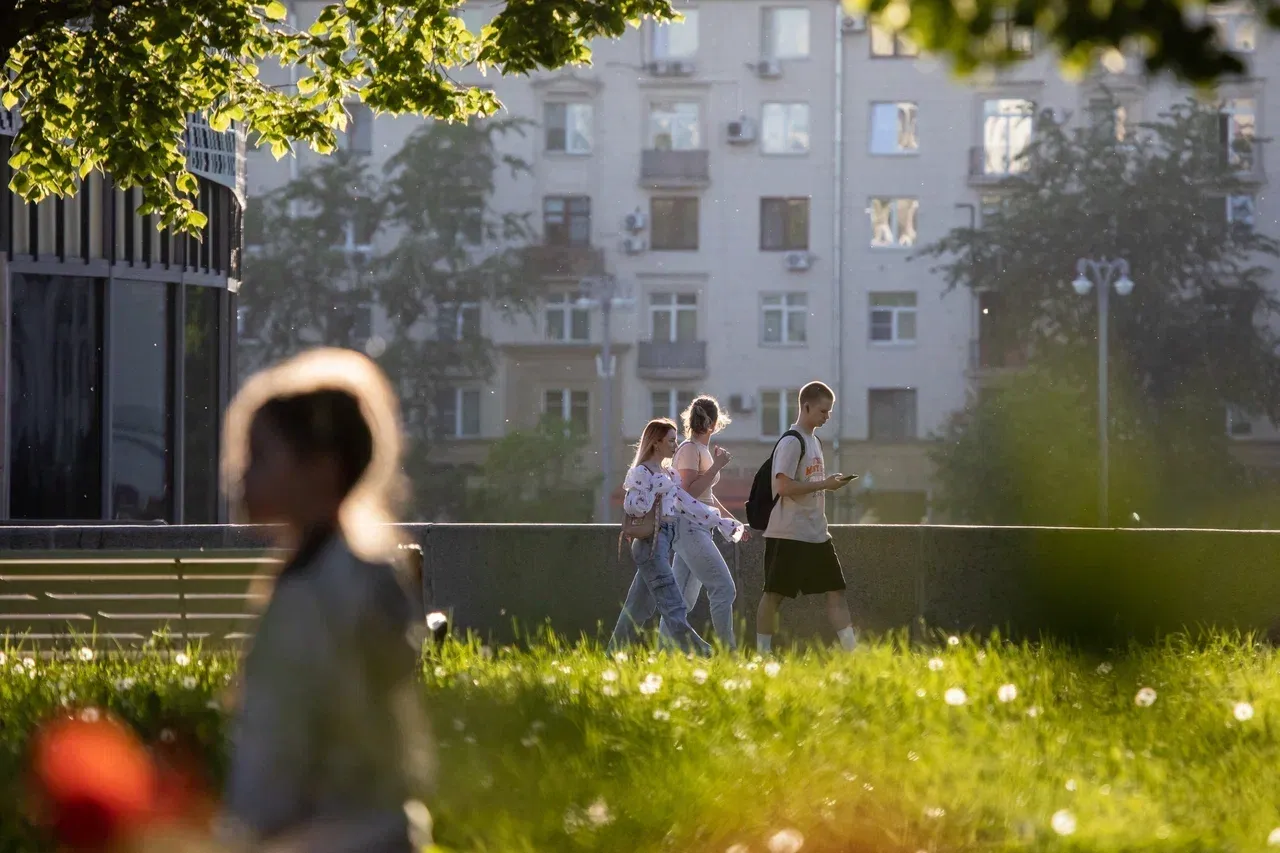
{"x":201,"y":406}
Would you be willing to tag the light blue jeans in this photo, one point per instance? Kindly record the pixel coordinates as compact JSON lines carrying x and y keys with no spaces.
{"x":699,"y":563}
{"x":653,"y":590}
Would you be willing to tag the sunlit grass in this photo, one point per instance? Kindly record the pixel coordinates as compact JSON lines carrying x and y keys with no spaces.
{"x":955,"y":747}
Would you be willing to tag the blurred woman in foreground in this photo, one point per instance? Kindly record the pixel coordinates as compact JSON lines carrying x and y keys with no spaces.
{"x":330,"y":744}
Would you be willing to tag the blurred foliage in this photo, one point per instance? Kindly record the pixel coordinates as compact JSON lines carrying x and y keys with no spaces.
{"x":109,"y":84}
{"x":536,"y":476}
{"x":1195,"y":339}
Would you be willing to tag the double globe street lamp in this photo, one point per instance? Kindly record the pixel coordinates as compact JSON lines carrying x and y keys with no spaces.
{"x":1102,"y":275}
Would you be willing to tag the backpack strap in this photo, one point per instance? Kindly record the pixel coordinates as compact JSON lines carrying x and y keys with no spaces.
{"x":798,"y":437}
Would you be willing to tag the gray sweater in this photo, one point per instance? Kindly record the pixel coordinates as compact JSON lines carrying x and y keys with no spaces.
{"x":330,"y":741}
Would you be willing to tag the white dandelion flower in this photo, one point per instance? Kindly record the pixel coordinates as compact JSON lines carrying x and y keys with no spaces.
{"x":609,"y":675}
{"x":1146,"y":698}
{"x":609,"y":690}
{"x":86,"y":654}
{"x":1273,"y":840}
{"x":935,"y":664}
{"x":700,"y":676}
{"x":1034,"y":711}
{"x":953,"y":641}
{"x":621,"y":657}
{"x":3,"y":658}
{"x":661,"y":715}
{"x":1063,"y":822}
{"x":598,"y":813}
{"x":125,"y":684}
{"x":652,"y":684}
{"x":772,"y":668}
{"x":786,"y":841}
{"x":1104,"y":668}
{"x":955,"y":697}
{"x":189,"y":682}
{"x":29,"y":663}
{"x":1242,"y":711}
{"x":440,"y":672}
{"x":1071,"y":785}
{"x":182,"y":659}
{"x":934,"y":813}
{"x":921,"y":693}
{"x":1007,"y":692}
{"x":730,"y":684}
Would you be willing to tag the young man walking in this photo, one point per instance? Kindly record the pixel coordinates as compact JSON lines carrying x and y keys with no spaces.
{"x":799,"y":558}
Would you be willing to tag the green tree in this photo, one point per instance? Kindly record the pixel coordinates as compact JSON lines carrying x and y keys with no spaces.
{"x":1194,"y":340}
{"x":536,"y":476}
{"x":430,"y":250}
{"x":109,"y":84}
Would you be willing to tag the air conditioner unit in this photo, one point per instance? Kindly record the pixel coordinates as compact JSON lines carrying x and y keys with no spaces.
{"x":741,"y":132}
{"x":742,"y":404}
{"x":797,"y":261}
{"x":769,"y":68}
{"x":854,"y":24}
{"x":634,"y":245}
{"x":635,"y":221}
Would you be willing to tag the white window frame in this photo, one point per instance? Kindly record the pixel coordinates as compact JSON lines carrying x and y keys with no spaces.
{"x":905,"y":118}
{"x":788,"y":410}
{"x":1242,"y":209}
{"x":1008,"y":129}
{"x":660,"y":37}
{"x":674,"y":111}
{"x":915,"y":415}
{"x":895,"y":205}
{"x":460,"y":396}
{"x":795,"y":136}
{"x":673,"y":404}
{"x":903,"y":47}
{"x":768,"y":32}
{"x":678,"y":304}
{"x":785,"y":304}
{"x":357,"y":137}
{"x":460,"y":310}
{"x":1231,"y":108}
{"x":566,"y":404}
{"x":895,"y":314}
{"x":572,"y":144}
{"x":566,"y":305}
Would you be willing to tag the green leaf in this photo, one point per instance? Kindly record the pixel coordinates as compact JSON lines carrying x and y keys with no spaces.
{"x":220,"y":122}
{"x":10,"y":100}
{"x":276,"y":11}
{"x":196,"y":219}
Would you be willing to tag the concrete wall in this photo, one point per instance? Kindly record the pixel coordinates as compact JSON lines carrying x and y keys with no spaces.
{"x":1095,"y":587}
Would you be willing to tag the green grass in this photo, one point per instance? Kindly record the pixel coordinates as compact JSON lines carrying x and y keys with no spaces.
{"x":565,"y":749}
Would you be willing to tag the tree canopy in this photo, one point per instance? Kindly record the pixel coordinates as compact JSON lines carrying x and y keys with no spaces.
{"x":1193,"y":342}
{"x":109,"y":84}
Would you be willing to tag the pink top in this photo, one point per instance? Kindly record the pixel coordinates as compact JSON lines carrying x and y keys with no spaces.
{"x":644,"y":485}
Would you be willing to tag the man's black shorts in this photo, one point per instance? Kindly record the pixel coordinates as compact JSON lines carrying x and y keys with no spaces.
{"x":794,"y":568}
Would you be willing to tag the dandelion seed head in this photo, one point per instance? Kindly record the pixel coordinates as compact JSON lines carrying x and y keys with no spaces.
{"x":598,"y":813}
{"x":1007,"y":692}
{"x":955,"y":697}
{"x":86,"y":654}
{"x":189,"y":683}
{"x":1146,"y":698}
{"x":935,"y":664}
{"x":921,"y":693}
{"x":652,"y":684}
{"x":621,"y":657}
{"x":700,"y":676}
{"x":1104,"y":668}
{"x":1071,"y":785}
{"x":786,"y":841}
{"x":182,"y":659}
{"x":1242,"y":711}
{"x":609,"y":675}
{"x":1063,"y":822}
{"x":1034,"y":711}
{"x":661,"y":715}
{"x":1273,"y":840}
{"x":609,"y":690}
{"x":772,"y":668}
{"x":953,"y":641}
{"x":29,"y":663}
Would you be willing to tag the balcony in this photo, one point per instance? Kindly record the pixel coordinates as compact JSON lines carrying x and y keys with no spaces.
{"x":980,"y":175}
{"x":563,"y":262}
{"x":671,"y":169}
{"x":672,"y":359}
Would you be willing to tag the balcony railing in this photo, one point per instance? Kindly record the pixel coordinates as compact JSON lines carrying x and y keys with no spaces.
{"x":672,"y":359}
{"x":566,"y":262}
{"x":660,"y":168}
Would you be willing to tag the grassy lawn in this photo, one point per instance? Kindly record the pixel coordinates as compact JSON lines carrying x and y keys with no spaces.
{"x":964,"y":747}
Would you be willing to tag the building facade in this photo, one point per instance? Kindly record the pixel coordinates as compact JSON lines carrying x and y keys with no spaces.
{"x":754,"y":181}
{"x":117,"y":346}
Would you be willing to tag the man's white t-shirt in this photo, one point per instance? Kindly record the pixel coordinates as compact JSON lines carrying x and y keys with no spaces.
{"x":804,"y":518}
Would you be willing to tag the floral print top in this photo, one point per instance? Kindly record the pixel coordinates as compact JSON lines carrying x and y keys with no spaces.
{"x":644,"y":485}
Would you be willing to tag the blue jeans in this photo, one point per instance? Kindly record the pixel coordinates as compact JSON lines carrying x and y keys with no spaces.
{"x":699,"y":563}
{"x":654,"y":589}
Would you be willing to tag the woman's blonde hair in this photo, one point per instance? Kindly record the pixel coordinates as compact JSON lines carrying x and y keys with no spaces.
{"x":703,"y":415}
{"x":369,"y":508}
{"x":654,"y":432}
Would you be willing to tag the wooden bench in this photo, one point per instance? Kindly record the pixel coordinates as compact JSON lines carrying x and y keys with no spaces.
{"x":120,"y":600}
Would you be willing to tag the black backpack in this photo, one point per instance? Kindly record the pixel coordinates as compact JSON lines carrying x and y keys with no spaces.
{"x":761,"y":501}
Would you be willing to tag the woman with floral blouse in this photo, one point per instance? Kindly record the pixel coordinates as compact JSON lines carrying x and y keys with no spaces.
{"x":654,"y":588}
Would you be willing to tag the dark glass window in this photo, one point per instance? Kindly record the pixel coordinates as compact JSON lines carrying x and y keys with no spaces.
{"x":55,"y":454}
{"x":201,"y":414}
{"x":141,"y":401}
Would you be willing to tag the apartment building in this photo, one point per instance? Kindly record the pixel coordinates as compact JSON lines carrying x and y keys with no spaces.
{"x":754,"y":181}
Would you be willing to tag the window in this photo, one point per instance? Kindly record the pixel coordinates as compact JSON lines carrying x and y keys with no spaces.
{"x":458,"y":322}
{"x":1241,"y":210}
{"x":893,"y":222}
{"x":778,"y":411}
{"x":891,"y":414}
{"x":566,"y":221}
{"x":676,"y":40}
{"x":55,"y":391}
{"x":992,"y":205}
{"x":1239,"y":424}
{"x":784,"y":318}
{"x":670,"y":402}
{"x":786,"y":33}
{"x":1006,"y":134}
{"x":1237,"y":31}
{"x":201,"y":381}
{"x":458,"y":412}
{"x":1109,"y":117}
{"x":673,"y":316}
{"x":785,"y":129}
{"x":893,"y":318}
{"x":568,"y":127}
{"x":893,"y":128}
{"x":1237,"y":123}
{"x":572,"y":407}
{"x":674,"y":223}
{"x":358,"y":137}
{"x":784,"y":224}
{"x":888,"y":43}
{"x":1007,"y":37}
{"x":674,"y":126}
{"x":566,"y":321}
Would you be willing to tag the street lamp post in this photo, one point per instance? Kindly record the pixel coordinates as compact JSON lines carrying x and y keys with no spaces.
{"x":606,"y":292}
{"x":1105,"y":274}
